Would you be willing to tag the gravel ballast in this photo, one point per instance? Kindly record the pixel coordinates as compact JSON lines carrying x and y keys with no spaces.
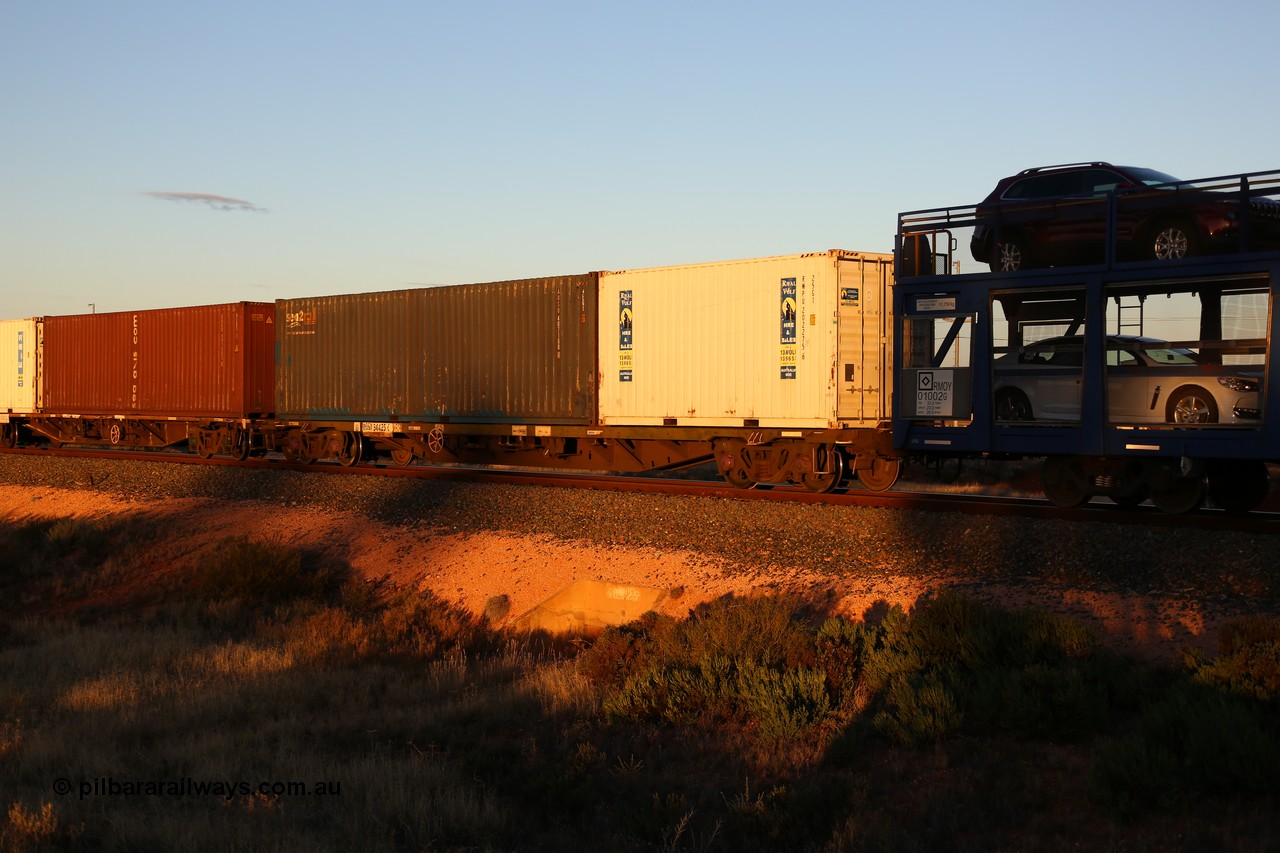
{"x":1230,"y":571}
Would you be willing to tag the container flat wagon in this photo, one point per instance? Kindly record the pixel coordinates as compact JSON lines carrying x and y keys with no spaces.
{"x":454,"y":373}
{"x":779,"y":366}
{"x":157,"y":378}
{"x":774,"y":367}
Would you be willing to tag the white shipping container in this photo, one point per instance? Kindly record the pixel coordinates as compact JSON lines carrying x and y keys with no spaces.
{"x":795,"y":341}
{"x":19,"y":365}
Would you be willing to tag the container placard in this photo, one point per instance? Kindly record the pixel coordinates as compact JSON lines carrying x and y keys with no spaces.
{"x":788,"y":341}
{"x":935,"y":393}
{"x":626,"y":320}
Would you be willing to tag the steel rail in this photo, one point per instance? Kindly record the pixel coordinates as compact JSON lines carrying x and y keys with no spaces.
{"x":904,"y":498}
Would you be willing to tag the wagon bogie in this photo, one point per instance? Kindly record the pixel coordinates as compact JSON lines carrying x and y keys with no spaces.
{"x":235,"y":440}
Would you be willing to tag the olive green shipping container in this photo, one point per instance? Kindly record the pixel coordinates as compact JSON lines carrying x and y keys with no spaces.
{"x":502,"y":352}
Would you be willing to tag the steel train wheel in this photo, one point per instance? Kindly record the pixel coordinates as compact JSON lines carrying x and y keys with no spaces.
{"x":1237,"y":486}
{"x":241,"y":445}
{"x":1180,"y":496}
{"x":882,"y":474}
{"x":196,"y":441}
{"x":352,"y":449}
{"x":402,"y":457}
{"x":832,"y":460}
{"x":1064,"y":482}
{"x":739,"y":478}
{"x":295,"y":450}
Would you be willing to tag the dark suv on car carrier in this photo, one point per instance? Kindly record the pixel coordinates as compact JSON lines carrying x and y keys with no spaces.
{"x":1059,"y":216}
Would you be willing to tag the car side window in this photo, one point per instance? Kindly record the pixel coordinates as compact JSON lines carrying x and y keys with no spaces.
{"x":1120,"y":358}
{"x":1056,"y":356}
{"x":1101,"y":181}
{"x":1070,"y":357}
{"x":1170,"y":356}
{"x":1053,"y":185}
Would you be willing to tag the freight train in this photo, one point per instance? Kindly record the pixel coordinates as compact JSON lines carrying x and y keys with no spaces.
{"x":775,"y":368}
{"x":1132,"y":379}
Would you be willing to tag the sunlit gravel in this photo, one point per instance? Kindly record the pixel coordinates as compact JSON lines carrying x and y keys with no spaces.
{"x":840,"y":541}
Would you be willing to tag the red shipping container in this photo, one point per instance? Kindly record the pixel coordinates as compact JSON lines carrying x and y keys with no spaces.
{"x":209,"y":361}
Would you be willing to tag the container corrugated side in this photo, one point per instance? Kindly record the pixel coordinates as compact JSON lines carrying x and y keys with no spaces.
{"x":513,"y":351}
{"x":19,"y":363}
{"x":208,"y":361}
{"x":752,"y":342}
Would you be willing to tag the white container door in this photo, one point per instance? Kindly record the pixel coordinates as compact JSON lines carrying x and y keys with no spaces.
{"x":19,"y":361}
{"x":865,"y":346}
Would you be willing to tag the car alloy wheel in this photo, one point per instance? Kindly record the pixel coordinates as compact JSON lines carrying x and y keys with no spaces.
{"x":1008,"y":256}
{"x":1173,"y":241}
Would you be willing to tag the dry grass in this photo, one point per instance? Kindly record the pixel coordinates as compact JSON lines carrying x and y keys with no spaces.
{"x":410,"y":725}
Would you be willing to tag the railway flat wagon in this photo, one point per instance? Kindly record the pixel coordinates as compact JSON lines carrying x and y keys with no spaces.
{"x":160,"y":377}
{"x":19,"y":362}
{"x":783,"y":362}
{"x":429,"y":371}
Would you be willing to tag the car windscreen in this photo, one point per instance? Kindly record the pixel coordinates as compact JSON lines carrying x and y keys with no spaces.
{"x":1150,"y":177}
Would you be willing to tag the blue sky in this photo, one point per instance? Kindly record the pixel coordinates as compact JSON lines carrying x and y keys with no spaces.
{"x":156,"y":154}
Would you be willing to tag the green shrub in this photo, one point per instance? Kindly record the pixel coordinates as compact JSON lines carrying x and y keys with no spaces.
{"x":613,"y":657}
{"x":51,"y":546}
{"x":1214,"y":734}
{"x":1193,"y":742}
{"x":1249,"y":662}
{"x":951,"y":663}
{"x":260,"y":574}
{"x":1132,"y":774}
{"x":842,"y":648}
{"x":783,"y":703}
{"x":954,"y":661}
{"x":407,"y":627}
{"x":752,"y":661}
{"x":919,"y":709}
{"x":765,"y":630}
{"x":1067,"y":700}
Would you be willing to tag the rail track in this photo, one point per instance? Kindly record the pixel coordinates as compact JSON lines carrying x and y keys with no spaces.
{"x":908,"y":496}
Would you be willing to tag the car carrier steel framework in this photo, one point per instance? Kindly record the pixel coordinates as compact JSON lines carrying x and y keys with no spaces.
{"x":1187,"y":424}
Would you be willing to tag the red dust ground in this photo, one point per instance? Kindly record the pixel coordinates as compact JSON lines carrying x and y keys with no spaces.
{"x":473,"y":568}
